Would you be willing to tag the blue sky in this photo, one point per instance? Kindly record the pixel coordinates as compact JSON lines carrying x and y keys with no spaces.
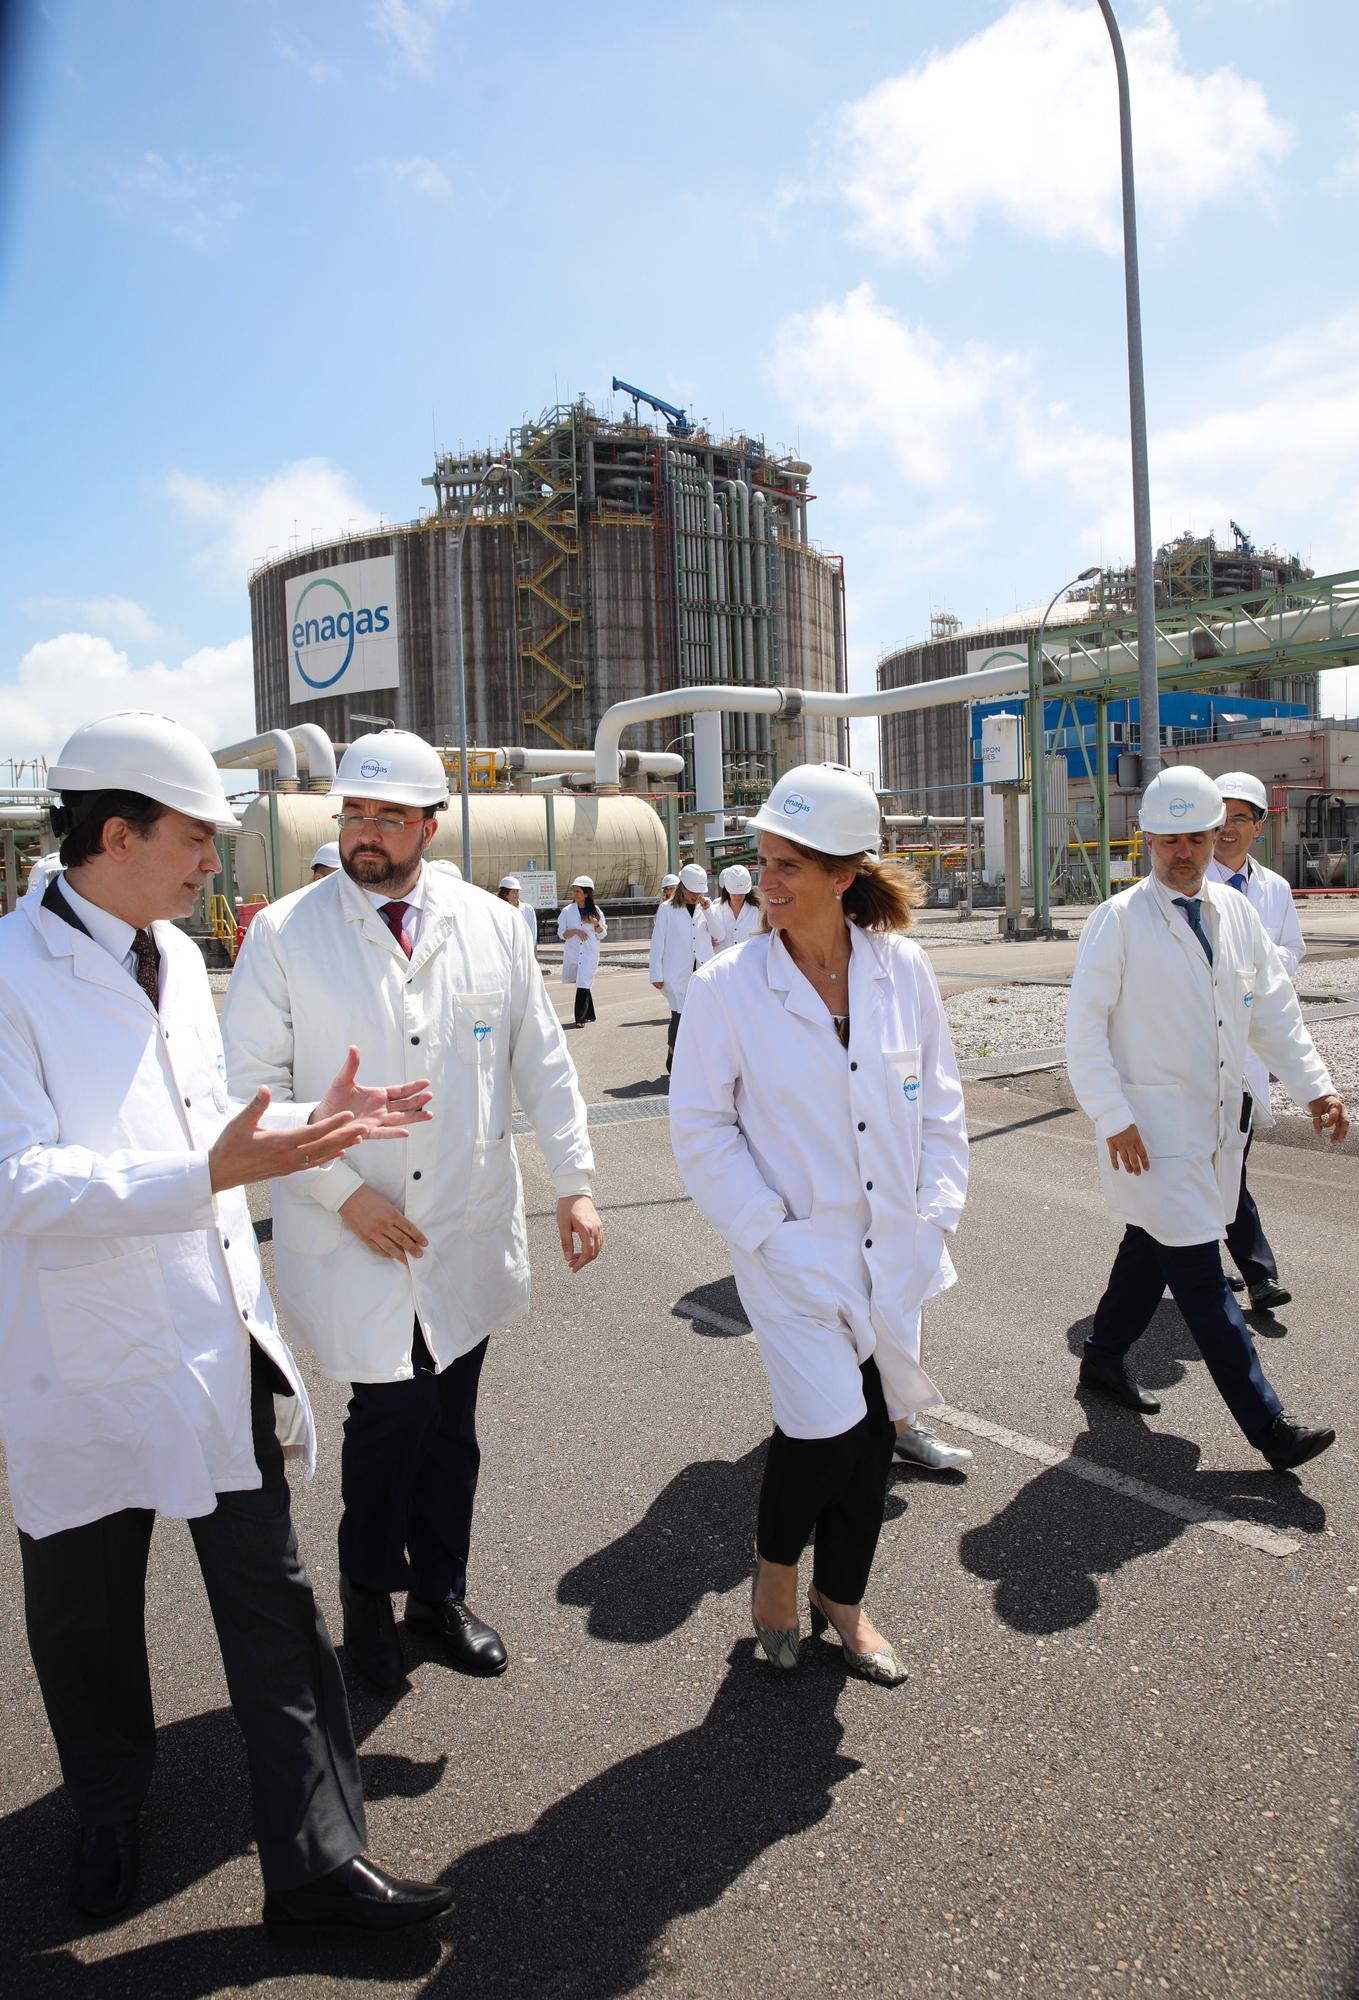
{"x":256,"y":258}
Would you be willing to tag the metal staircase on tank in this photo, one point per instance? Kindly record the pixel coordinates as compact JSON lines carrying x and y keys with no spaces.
{"x":547,"y":560}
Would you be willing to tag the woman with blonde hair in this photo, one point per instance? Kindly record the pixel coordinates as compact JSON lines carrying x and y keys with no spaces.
{"x":816,"y":1117}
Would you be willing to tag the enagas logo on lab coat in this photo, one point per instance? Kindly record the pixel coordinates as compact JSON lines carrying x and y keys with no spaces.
{"x":910,"y":1088}
{"x":481,"y":1029}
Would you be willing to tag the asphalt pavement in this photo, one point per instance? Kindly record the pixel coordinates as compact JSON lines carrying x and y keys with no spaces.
{"x":1122,"y":1762}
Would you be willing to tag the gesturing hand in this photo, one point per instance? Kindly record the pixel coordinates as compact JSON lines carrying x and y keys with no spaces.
{"x":381,"y":1226}
{"x":244,"y":1154}
{"x":578,"y":1222}
{"x":384,"y":1110}
{"x":1329,"y":1115}
{"x":1127,"y":1151}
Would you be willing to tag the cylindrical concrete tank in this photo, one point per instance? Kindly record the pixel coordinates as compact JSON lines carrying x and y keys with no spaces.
{"x":619,"y":840}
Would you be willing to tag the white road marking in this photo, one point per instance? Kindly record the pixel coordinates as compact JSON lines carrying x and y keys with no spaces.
{"x":724,"y":1325}
{"x":1266,"y":1540}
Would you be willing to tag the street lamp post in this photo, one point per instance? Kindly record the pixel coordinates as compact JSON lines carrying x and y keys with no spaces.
{"x":1149,"y":690}
{"x":497,"y":471}
{"x":1038,"y":752}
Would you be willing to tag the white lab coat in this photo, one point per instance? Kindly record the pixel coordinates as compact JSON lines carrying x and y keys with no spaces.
{"x":530,"y":916}
{"x":129,"y":1293}
{"x":1157,"y":1038}
{"x":835,"y":1177}
{"x":674,"y":950}
{"x":723,"y":926}
{"x":580,"y":956}
{"x":1272,"y":900}
{"x":470,"y":1012}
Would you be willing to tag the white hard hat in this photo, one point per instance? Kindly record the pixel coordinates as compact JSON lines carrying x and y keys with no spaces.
{"x":508,"y":882}
{"x":449,"y":867}
{"x":394,"y":766}
{"x":41,"y":873}
{"x":823,"y":806}
{"x":1241,"y":785}
{"x":693,"y":877}
{"x":135,"y":751}
{"x":327,"y":855}
{"x":670,"y":881}
{"x":736,"y":880}
{"x":584,"y":882}
{"x":1181,"y":799}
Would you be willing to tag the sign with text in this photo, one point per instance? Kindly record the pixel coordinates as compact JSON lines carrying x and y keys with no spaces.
{"x":342,"y":629}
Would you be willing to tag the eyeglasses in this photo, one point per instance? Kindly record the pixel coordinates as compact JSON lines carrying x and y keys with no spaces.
{"x":1237,"y":821}
{"x":381,"y":822}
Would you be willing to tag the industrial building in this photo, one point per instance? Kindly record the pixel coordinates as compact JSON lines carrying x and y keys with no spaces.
{"x":598,"y":560}
{"x":925,"y":757}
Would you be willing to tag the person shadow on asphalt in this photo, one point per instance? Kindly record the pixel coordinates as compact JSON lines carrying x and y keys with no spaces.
{"x":1047,"y":1549}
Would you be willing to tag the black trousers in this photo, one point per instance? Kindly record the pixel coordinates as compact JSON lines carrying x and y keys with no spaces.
{"x":1246,"y":1239}
{"x":670,"y":1035}
{"x":85,"y":1604}
{"x":1142,"y":1271}
{"x":408,"y":1478}
{"x":835,"y":1486}
{"x":585,"y":1005}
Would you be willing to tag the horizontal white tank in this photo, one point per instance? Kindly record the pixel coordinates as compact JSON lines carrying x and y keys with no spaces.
{"x":619,"y":840}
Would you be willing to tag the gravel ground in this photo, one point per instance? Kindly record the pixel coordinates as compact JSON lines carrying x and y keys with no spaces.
{"x":993,"y":1020}
{"x":1338,"y":1043}
{"x":1336,"y":975}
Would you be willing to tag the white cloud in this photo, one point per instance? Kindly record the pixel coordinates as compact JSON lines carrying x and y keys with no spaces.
{"x":307,"y":500}
{"x":419,"y":175}
{"x":1021,"y":121}
{"x":68,"y":680}
{"x":192,"y":201}
{"x":409,"y":28}
{"x":860,"y":372}
{"x":117,"y":615}
{"x":1344,"y":176}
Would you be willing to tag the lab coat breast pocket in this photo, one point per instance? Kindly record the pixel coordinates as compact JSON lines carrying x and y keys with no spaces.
{"x":109,"y":1322}
{"x":478,"y":1027}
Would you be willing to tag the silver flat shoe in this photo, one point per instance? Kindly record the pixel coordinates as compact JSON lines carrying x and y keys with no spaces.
{"x":882,"y":1667}
{"x":782,"y":1645}
{"x":921,"y":1447}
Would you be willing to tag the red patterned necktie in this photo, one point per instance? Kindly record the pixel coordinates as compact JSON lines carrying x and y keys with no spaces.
{"x":148,"y":966}
{"x":394,"y":916}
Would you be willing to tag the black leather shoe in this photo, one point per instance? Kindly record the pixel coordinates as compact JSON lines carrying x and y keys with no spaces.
{"x":1108,"y":1378}
{"x":1235,"y":1283}
{"x":1265,"y":1297}
{"x":1289,"y":1444}
{"x":358,"y":1896}
{"x":370,"y":1641}
{"x":106,"y":1867}
{"x":468,"y":1643}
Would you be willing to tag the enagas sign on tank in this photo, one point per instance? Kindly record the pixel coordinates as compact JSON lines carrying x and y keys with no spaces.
{"x":342,"y":631}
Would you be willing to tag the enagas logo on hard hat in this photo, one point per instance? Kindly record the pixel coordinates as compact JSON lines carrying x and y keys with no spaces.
{"x":373,"y":767}
{"x":1179,"y":807}
{"x":332,"y":622}
{"x":795,"y":803}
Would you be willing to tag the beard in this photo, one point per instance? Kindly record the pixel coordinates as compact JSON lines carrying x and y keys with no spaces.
{"x":375,"y":869}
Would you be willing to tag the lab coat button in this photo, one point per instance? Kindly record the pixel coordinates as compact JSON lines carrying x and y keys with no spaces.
{"x":869,"y":1186}
{"x":416,"y":1175}
{"x":415,"y":1041}
{"x":855,"y":1065}
{"x":868,"y":1243}
{"x":862,"y":1126}
{"x":226,"y":1242}
{"x":187,"y":1102}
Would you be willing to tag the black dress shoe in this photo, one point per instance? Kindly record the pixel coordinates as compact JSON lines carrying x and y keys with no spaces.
{"x":1109,"y":1378}
{"x":370,"y":1641}
{"x":357,"y":1896}
{"x":1290,"y":1444}
{"x":468,"y":1643}
{"x":1235,"y":1283}
{"x":1265,"y":1297}
{"x":105,"y":1871}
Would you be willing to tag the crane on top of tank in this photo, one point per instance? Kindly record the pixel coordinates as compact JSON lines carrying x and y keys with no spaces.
{"x":676,"y":421}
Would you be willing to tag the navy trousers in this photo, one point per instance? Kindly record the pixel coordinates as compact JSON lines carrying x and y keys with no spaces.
{"x":408,"y":1478}
{"x":1246,"y":1239}
{"x":1143,"y":1270}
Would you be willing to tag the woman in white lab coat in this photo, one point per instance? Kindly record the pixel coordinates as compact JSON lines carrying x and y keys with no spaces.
{"x":582,"y":929}
{"x":736,"y":915}
{"x":676,"y":941}
{"x":817,"y":1120}
{"x":511,"y":892}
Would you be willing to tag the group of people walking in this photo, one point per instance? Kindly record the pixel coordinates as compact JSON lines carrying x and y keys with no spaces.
{"x":817,"y":1121}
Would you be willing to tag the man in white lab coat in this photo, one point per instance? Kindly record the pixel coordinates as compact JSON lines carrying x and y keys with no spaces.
{"x":1174,"y":980}
{"x":139,"y":1359}
{"x":1246,"y":808}
{"x":395,"y":1265}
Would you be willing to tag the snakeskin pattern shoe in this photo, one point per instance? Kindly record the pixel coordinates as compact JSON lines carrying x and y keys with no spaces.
{"x":883,"y":1667}
{"x":781,"y":1644}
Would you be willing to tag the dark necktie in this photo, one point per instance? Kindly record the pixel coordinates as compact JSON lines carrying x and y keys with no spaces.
{"x":1191,"y":906}
{"x":1237,"y":882}
{"x":394,"y":916}
{"x":148,"y":966}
